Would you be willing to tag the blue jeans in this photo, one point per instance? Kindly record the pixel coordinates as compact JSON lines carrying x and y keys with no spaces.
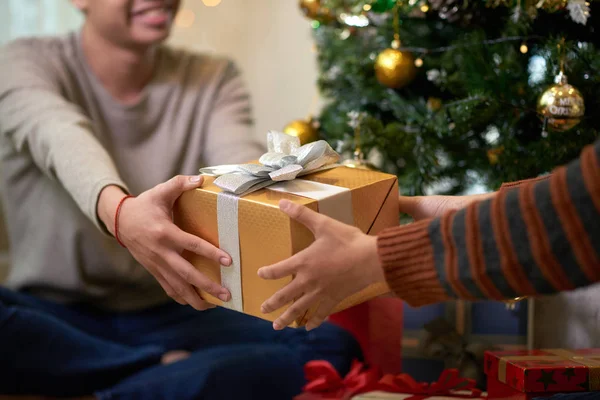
{"x":57,"y":350}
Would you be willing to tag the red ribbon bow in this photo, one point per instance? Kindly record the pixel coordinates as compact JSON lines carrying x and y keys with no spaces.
{"x":324,"y":381}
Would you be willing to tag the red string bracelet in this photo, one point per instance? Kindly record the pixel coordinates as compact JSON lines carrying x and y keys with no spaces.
{"x":117,"y":218}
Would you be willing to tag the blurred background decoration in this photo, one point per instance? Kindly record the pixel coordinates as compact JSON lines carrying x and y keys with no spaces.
{"x":459,"y":96}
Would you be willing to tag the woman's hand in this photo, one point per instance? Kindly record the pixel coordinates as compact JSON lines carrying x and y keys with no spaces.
{"x":146,"y":228}
{"x":340,"y":262}
{"x":423,"y":207}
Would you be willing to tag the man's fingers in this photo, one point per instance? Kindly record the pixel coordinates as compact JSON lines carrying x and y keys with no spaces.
{"x":183,"y":289}
{"x":307,"y":217}
{"x":193,"y":243}
{"x":322,"y":312}
{"x":192,"y":276}
{"x":167,"y":288}
{"x":282,"y":297}
{"x":296,"y":310}
{"x":170,"y":190}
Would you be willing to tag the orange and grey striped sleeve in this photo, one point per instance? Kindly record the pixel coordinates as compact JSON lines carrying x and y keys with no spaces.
{"x":533,"y":237}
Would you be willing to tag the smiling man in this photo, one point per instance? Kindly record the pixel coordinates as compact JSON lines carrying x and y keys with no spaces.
{"x":87,"y":120}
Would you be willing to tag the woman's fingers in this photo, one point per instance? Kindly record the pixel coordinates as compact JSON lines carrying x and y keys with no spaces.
{"x":295,"y":311}
{"x":282,"y":297}
{"x":322,"y":312}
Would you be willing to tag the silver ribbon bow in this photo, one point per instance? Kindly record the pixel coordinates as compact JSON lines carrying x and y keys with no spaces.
{"x":285,"y":161}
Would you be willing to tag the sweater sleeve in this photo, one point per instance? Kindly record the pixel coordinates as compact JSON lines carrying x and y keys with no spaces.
{"x":36,"y":119}
{"x":229,"y":136}
{"x":538,"y":237}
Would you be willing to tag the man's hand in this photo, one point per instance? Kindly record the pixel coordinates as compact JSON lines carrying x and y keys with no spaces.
{"x":146,"y":228}
{"x":422,"y":207}
{"x":341,"y":261}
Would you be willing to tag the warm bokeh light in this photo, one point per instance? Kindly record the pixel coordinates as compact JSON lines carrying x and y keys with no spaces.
{"x":185,"y":18}
{"x":524,"y":48}
{"x":211,"y":3}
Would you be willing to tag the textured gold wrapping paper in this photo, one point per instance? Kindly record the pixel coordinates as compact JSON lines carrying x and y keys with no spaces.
{"x":267,"y":235}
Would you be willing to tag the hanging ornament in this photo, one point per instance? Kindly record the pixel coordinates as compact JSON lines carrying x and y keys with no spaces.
{"x":310,"y":8}
{"x":395,"y":68}
{"x":434,"y":104}
{"x":314,"y":10}
{"x":494,"y":154}
{"x":305,"y":130}
{"x":561,"y":105}
{"x":552,"y":5}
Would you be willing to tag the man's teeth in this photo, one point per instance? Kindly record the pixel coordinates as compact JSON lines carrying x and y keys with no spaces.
{"x":156,"y":11}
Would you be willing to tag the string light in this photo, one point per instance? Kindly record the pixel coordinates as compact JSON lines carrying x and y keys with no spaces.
{"x":211,"y":3}
{"x":424,"y":8}
{"x":419,"y":62}
{"x":185,"y":18}
{"x":367,"y":7}
{"x":524,"y":49}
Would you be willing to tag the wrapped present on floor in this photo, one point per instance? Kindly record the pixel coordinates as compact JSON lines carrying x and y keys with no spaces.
{"x":239,"y":212}
{"x":528,"y":374}
{"x":431,"y":345}
{"x":324,"y":382}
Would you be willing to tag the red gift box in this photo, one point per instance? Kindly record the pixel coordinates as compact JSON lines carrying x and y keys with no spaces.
{"x":525,"y":374}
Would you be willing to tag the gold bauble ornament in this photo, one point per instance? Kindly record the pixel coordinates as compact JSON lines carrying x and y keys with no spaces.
{"x":304,"y":130}
{"x":434,"y":104}
{"x":395,"y":68}
{"x":311,"y":8}
{"x":494,"y":154}
{"x":552,"y":5}
{"x":562,"y":105}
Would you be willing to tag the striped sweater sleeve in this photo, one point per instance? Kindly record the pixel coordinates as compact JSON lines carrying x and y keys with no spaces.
{"x":532,"y":238}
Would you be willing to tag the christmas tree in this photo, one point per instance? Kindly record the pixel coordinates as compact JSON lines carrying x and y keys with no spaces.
{"x":450,"y":93}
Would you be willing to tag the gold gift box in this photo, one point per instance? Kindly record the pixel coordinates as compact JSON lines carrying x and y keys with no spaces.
{"x":267,"y":235}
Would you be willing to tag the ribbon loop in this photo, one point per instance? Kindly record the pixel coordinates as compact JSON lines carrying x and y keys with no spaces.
{"x":285,"y":161}
{"x":323,"y":379}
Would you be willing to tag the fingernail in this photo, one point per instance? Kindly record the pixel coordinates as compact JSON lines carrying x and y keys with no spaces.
{"x":226,"y":261}
{"x":260,"y":273}
{"x":195,"y":179}
{"x":276,"y":326}
{"x":224,"y":297}
{"x":263,"y":309}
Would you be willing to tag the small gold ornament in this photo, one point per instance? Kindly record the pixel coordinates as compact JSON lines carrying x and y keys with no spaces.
{"x":552,"y":5}
{"x":562,"y":105}
{"x":311,"y":8}
{"x":314,"y":10}
{"x":304,"y":130}
{"x":434,"y":104}
{"x":395,"y":68}
{"x":494,"y":154}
